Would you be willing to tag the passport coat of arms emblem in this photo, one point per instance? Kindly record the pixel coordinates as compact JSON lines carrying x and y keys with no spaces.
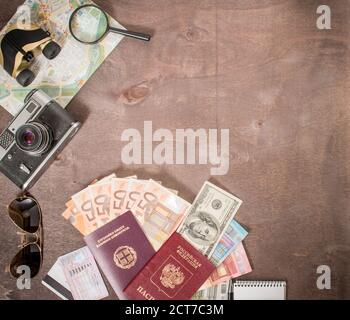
{"x":171,"y":276}
{"x":125,"y":257}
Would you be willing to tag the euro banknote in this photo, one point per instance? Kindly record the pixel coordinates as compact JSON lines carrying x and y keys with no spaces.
{"x":235,"y":265}
{"x":78,"y":217}
{"x":159,"y":212}
{"x":124,"y":193}
{"x":104,"y":200}
{"x":100,"y":194}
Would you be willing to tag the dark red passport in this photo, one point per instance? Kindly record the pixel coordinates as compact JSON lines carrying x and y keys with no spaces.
{"x":175,"y":272}
{"x":121,"y":249}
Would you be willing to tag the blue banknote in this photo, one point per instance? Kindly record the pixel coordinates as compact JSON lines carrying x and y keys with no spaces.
{"x":232,"y":237}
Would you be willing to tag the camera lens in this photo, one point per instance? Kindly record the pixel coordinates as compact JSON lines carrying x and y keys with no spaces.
{"x":34,"y":138}
{"x":29,"y":137}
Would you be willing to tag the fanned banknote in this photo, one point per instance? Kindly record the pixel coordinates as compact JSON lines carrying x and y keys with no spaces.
{"x":208,"y":224}
{"x":232,"y":237}
{"x":81,"y":208}
{"x":101,"y":198}
{"x":234,"y":266}
{"x":75,"y":217}
{"x":83,"y":276}
{"x":208,"y":218}
{"x":83,"y":204}
{"x":222,"y":291}
{"x":124,"y":193}
{"x":173,"y":191}
{"x":102,"y":201}
{"x":240,"y":258}
{"x":159,"y":212}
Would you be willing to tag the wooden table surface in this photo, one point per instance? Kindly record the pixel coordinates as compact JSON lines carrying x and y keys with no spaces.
{"x":258,"y":67}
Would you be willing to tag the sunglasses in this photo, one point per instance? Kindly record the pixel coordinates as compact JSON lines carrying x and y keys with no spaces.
{"x":25,"y":213}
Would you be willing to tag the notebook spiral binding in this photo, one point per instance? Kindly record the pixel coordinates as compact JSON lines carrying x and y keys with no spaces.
{"x":259,"y":284}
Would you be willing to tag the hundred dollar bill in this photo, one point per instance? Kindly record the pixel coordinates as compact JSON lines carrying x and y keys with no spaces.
{"x":232,"y":237}
{"x":234,"y":266}
{"x":82,"y":275}
{"x":208,"y":218}
{"x":222,"y":291}
{"x":159,"y":212}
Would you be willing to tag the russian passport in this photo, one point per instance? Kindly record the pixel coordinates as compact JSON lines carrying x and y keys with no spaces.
{"x":175,"y":272}
{"x":121,"y":249}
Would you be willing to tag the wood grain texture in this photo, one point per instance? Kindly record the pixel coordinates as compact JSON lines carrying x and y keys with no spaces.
{"x":258,"y":67}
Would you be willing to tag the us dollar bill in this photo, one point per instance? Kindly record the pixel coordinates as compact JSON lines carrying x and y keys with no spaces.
{"x":208,"y":218}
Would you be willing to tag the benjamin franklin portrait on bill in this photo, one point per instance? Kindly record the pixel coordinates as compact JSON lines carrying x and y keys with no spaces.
{"x":203,"y":228}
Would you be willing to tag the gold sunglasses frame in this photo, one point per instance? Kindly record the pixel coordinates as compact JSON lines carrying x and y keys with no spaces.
{"x":39,"y":239}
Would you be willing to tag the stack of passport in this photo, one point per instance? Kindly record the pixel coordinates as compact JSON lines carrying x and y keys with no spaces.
{"x":136,"y":271}
{"x":153,"y":245}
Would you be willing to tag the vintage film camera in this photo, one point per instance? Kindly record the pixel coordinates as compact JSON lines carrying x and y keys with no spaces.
{"x":18,"y":49}
{"x":33,"y":138}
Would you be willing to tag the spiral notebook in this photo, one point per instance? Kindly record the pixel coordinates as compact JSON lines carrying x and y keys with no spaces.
{"x":259,"y":290}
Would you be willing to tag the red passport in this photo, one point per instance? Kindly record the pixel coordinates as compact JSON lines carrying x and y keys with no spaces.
{"x":175,"y":272}
{"x":121,"y":249}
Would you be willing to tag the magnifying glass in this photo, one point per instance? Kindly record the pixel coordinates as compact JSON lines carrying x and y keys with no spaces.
{"x":89,"y":24}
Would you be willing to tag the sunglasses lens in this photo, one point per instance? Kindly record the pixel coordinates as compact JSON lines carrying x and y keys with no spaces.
{"x":29,"y":256}
{"x":25,"y":213}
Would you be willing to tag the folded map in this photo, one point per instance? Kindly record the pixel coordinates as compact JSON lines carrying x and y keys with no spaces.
{"x":62,"y":77}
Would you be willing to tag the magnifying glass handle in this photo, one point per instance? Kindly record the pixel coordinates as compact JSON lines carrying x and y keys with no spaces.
{"x":132,"y":34}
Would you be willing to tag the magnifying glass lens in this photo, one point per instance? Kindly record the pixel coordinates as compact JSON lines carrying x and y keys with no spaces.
{"x":89,"y":24}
